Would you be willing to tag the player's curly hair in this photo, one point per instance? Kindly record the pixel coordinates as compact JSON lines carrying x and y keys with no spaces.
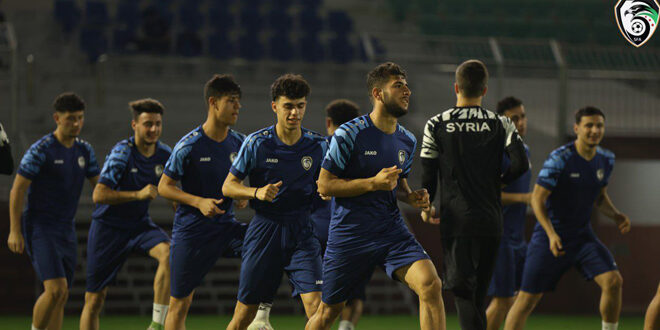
{"x":472,"y":78}
{"x":341,"y":111}
{"x":68,"y":102}
{"x":587,"y":111}
{"x":381,"y":74}
{"x":220,"y":85}
{"x":293,"y":86}
{"x":147,"y":105}
{"x":507,"y":103}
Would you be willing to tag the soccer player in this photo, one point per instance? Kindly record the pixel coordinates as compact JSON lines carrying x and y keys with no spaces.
{"x":120,"y":222}
{"x":365,"y":170}
{"x":652,"y":318}
{"x":204,"y":224}
{"x":282,"y":162}
{"x":464,"y":146}
{"x":52,"y":172}
{"x":6,"y":160}
{"x":511,"y":255}
{"x":573,"y":180}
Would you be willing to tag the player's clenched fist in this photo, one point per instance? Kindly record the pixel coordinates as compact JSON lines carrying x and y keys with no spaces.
{"x":209,"y":207}
{"x":555,"y":245}
{"x":16,"y":242}
{"x":148,"y":192}
{"x":419,"y":198}
{"x":268,"y":192}
{"x":387,"y":178}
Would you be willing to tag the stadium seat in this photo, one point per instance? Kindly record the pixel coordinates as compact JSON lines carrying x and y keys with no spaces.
{"x":310,"y":21}
{"x":124,"y":40}
{"x":220,"y":46}
{"x":311,"y":48}
{"x":279,"y":20}
{"x":339,"y":22}
{"x":96,"y":13}
{"x":251,"y":20}
{"x":67,"y":14}
{"x":219,"y":18}
{"x":250,"y":47}
{"x":128,"y":14}
{"x":341,"y":50}
{"x":190,"y":18}
{"x":281,"y":48}
{"x":188,"y":43}
{"x":93,"y":42}
{"x":156,"y":27}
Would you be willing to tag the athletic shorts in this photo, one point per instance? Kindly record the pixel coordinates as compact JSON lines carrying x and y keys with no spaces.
{"x":193,"y":256}
{"x":52,"y":249}
{"x":275,"y":246}
{"x":468,"y":263}
{"x":508,"y":269}
{"x":585,"y":252}
{"x":108,"y":247}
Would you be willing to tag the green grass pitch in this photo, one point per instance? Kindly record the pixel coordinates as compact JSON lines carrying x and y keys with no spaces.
{"x":396,"y":322}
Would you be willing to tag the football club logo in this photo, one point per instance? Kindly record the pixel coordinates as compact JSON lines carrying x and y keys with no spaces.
{"x":402,"y":156}
{"x":306,"y":162}
{"x":158,"y":169}
{"x":600,"y":174}
{"x":637,"y":19}
{"x":232,"y":156}
{"x":81,"y":161}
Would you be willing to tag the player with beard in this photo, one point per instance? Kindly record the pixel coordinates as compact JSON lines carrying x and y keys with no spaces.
{"x":120,"y":222}
{"x":366,"y":170}
{"x":573,"y":180}
{"x":52,"y":172}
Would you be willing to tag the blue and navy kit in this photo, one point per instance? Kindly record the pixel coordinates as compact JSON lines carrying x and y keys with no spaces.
{"x":117,"y":230}
{"x":321,"y":213}
{"x":366,"y":230}
{"x":280,"y":237}
{"x":201,"y":164}
{"x":575,"y":184}
{"x":57,"y":174}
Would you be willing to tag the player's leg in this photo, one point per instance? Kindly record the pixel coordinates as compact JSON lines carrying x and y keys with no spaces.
{"x":422,"y":278}
{"x":497,"y":310}
{"x":50,"y":304}
{"x":311,"y":302}
{"x":325,"y":316}
{"x":487,"y":258}
{"x":177,"y":312}
{"x":502,"y":286}
{"x":652,"y":318}
{"x":610,"y":298}
{"x":522,"y":307}
{"x":89,"y":318}
{"x":304,"y":268}
{"x":161,"y":253}
{"x":351,"y":314}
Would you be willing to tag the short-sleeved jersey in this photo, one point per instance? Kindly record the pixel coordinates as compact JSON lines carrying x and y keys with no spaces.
{"x":126,"y":169}
{"x":265,"y":159}
{"x":202,"y":164}
{"x":575,"y":184}
{"x":322,"y":210}
{"x":468,"y":143}
{"x":514,"y":215}
{"x":358,"y":150}
{"x":57,"y":174}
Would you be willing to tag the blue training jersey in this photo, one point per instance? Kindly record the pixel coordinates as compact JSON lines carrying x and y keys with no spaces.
{"x":575,"y":184}
{"x":514,"y":215}
{"x":57,"y":174}
{"x":126,"y":169}
{"x":266,"y":159}
{"x":202,"y":164}
{"x":360,"y":150}
{"x":322,"y":210}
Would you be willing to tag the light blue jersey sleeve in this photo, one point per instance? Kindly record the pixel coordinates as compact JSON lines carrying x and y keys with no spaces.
{"x":115,"y":165}
{"x":32,"y":161}
{"x":174,"y":168}
{"x":552,"y":169}
{"x":246,"y":159}
{"x":340,"y":150}
{"x":93,"y":166}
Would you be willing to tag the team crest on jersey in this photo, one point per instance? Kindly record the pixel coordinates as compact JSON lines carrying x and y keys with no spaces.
{"x":232,"y":156}
{"x":637,"y":20}
{"x":81,"y":162}
{"x":306,"y":162}
{"x":600,"y":174}
{"x":158,"y":169}
{"x":402,"y":157}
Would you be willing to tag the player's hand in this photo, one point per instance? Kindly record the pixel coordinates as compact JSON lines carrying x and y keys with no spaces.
{"x":149,"y":192}
{"x":419,"y":199}
{"x":528,"y":199}
{"x":209,"y":207}
{"x":428,"y":215}
{"x":387,"y":178}
{"x":241,"y":203}
{"x":16,"y":242}
{"x":623,"y":222}
{"x":269,"y":192}
{"x":3,"y":136}
{"x":555,"y":245}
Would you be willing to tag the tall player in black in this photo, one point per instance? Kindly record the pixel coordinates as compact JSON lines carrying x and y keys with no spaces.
{"x":463,"y":146}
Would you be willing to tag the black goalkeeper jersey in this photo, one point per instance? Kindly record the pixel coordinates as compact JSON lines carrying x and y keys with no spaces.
{"x":464,"y":146}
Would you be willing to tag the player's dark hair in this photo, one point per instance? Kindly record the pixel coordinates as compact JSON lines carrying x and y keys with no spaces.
{"x":472,"y":78}
{"x":293,"y":86}
{"x":68,"y":102}
{"x":587,"y":111}
{"x":381,"y":74}
{"x":341,"y":111}
{"x":147,"y":105}
{"x":507,"y":103}
{"x":220,"y":85}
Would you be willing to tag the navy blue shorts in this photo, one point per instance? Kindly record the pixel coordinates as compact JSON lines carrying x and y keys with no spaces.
{"x":347,"y":271}
{"x":108,"y":247}
{"x":52,"y":249}
{"x":192,"y":256}
{"x":509,"y":265}
{"x":273,"y":247}
{"x":585,"y":252}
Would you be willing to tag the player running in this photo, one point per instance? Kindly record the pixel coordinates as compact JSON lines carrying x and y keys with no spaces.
{"x":204,"y":225}
{"x":366,"y":170}
{"x":52,"y":172}
{"x":573,"y":180}
{"x":120,"y":222}
{"x":282,"y":162}
{"x":511,"y":255}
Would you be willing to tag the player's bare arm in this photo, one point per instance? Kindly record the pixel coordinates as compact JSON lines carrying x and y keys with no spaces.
{"x":516,"y":198}
{"x":539,"y":196}
{"x":93,"y":181}
{"x":167,"y":187}
{"x":234,"y":188}
{"x":105,"y":195}
{"x":331,"y":185}
{"x":16,"y":241}
{"x":605,"y":206}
